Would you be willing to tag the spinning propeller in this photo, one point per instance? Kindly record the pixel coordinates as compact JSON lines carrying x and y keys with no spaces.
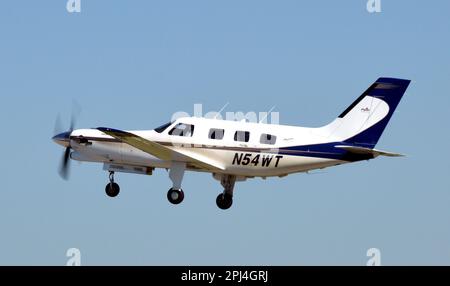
{"x":63,"y":139}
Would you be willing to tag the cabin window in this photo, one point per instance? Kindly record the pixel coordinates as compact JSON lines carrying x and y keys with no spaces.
{"x":216,"y":134}
{"x":162,"y":128}
{"x":181,"y":129}
{"x":242,"y":136}
{"x":268,"y":139}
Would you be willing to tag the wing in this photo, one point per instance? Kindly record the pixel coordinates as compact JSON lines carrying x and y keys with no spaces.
{"x":162,"y":152}
{"x":362,"y":150}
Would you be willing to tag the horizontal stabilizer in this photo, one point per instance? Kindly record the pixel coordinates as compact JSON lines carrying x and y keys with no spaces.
{"x":368,"y":151}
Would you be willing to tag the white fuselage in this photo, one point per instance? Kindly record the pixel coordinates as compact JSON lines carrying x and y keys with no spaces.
{"x":244,"y":159}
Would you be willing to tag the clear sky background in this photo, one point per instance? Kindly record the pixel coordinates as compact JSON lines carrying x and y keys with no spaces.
{"x":132,"y":64}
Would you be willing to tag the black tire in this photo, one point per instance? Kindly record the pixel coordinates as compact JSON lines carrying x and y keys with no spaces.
{"x":175,"y":197}
{"x":112,"y":190}
{"x":224,"y":201}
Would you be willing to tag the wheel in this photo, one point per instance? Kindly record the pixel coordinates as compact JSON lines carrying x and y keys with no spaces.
{"x":112,"y":190}
{"x":175,"y":196}
{"x":224,"y":201}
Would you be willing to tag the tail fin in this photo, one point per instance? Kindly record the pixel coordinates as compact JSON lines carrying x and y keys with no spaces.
{"x":363,"y":122}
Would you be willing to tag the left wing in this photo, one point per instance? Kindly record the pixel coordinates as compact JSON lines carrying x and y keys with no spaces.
{"x":162,"y":152}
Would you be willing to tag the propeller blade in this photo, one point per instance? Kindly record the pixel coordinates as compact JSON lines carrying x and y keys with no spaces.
{"x":72,"y":123}
{"x":76,"y":110}
{"x":63,"y":138}
{"x":58,"y":125}
{"x":65,"y":165}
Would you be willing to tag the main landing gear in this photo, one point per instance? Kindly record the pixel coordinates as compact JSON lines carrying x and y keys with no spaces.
{"x":225,"y":200}
{"x":176,"y":195}
{"x":176,"y":174}
{"x":112,"y":189}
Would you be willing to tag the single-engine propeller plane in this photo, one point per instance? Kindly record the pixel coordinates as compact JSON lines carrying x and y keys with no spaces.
{"x":234,"y":151}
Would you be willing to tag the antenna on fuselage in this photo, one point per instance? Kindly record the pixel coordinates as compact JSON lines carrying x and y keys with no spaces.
{"x":267,"y":114}
{"x":223,"y":107}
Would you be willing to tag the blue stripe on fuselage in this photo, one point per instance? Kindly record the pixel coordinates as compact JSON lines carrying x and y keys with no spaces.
{"x":325,"y":151}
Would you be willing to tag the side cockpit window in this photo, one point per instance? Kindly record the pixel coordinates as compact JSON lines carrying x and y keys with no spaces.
{"x":181,"y":129}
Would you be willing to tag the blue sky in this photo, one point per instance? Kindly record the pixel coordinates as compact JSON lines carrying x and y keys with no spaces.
{"x":132,"y":65}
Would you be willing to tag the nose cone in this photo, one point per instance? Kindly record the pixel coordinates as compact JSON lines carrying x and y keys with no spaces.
{"x":63,"y":139}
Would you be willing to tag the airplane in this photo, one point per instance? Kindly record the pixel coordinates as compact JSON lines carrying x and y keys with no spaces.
{"x":234,"y":151}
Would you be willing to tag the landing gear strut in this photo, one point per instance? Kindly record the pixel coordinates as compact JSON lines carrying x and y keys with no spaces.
{"x":112,"y":189}
{"x":176,"y":173}
{"x":225,"y":200}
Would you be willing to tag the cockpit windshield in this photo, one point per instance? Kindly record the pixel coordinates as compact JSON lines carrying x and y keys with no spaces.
{"x":162,"y":128}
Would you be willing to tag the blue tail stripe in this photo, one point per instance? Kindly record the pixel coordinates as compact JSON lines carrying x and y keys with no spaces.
{"x":391,"y":91}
